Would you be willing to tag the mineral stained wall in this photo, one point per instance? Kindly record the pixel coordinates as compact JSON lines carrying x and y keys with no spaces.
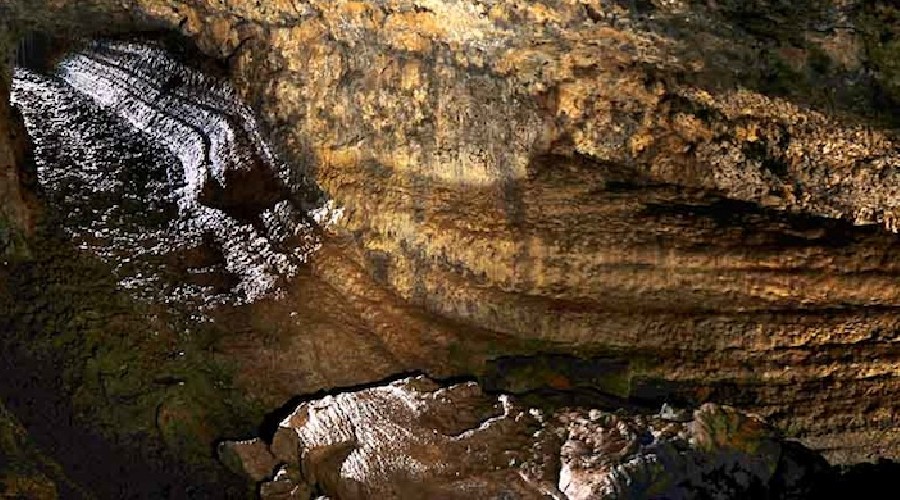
{"x":706,"y":191}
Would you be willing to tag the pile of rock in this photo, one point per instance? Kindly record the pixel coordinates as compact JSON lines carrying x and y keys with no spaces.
{"x":415,"y":439}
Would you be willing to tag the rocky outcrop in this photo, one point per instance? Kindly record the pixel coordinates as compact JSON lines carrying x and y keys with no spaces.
{"x":664,"y":183}
{"x":208,"y":184}
{"x":414,"y":439}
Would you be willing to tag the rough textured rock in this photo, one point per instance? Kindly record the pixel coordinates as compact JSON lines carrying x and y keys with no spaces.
{"x":211,"y":202}
{"x":24,"y":471}
{"x":663,"y":182}
{"x":415,"y":439}
{"x":17,"y":206}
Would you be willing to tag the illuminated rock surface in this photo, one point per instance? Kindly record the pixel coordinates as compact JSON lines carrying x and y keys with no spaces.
{"x":702,"y":195}
{"x":414,"y":439}
{"x":192,"y":152}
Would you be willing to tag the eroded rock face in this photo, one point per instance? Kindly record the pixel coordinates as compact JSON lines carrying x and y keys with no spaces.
{"x":415,"y":439}
{"x":647,"y":181}
{"x":663,"y":181}
{"x":17,"y":206}
{"x":164,"y":171}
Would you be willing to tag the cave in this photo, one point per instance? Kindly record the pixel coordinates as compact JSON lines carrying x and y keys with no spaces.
{"x":448,"y":249}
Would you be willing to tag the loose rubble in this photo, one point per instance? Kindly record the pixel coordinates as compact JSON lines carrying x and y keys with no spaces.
{"x":416,"y":439}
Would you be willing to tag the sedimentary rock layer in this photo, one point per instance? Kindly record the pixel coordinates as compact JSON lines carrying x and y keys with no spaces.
{"x":662,"y":182}
{"x":158,"y":163}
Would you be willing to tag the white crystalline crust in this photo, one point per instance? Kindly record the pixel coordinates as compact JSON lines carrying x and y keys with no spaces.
{"x":126,"y":124}
{"x":370,"y":419}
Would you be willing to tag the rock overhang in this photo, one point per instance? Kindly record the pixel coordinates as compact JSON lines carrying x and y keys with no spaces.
{"x":517,"y":114}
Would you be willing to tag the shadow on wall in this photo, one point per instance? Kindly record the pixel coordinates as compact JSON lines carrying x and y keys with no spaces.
{"x":867,"y":480}
{"x":835,"y":57}
{"x":38,"y":51}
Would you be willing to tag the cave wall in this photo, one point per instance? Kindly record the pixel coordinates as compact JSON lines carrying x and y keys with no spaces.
{"x":664,"y":181}
{"x":16,"y":207}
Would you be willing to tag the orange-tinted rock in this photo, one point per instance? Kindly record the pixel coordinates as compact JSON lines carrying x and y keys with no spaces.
{"x":253,"y":458}
{"x":706,"y":190}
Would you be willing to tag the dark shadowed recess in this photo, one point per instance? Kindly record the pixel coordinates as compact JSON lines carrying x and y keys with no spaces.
{"x":104,"y":467}
{"x":61,"y":313}
{"x":768,"y":228}
{"x":549,"y":381}
{"x":40,"y":51}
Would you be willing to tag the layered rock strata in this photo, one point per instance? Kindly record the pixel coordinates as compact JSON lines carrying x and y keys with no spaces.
{"x":158,"y":163}
{"x":662,"y":182}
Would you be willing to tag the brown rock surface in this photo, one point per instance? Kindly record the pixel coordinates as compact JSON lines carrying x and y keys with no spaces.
{"x":414,"y":439}
{"x":663,"y":184}
{"x":17,"y":206}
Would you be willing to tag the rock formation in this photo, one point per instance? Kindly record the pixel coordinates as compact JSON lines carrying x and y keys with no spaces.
{"x":207,"y":183}
{"x":413,"y":439}
{"x":703,"y":194}
{"x":17,"y":207}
